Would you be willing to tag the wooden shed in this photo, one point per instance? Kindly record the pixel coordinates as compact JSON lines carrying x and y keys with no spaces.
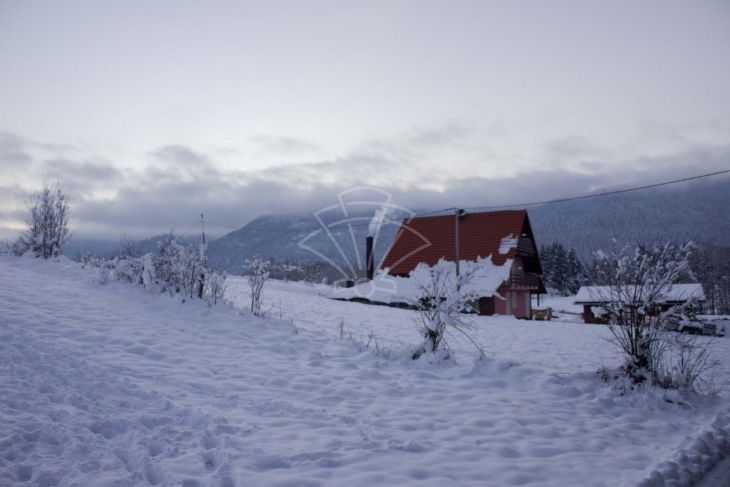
{"x":595,"y":298}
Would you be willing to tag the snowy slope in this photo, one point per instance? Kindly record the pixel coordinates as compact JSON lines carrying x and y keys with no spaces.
{"x":107,"y":385}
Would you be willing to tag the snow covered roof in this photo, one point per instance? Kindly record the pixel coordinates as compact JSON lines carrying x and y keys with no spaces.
{"x":387,"y":288}
{"x":674,"y":293}
{"x":427,"y":239}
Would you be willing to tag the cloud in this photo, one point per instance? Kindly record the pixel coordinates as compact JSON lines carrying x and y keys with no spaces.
{"x":12,"y":196}
{"x":181,"y":182}
{"x":234,"y":202}
{"x":284,"y":145}
{"x":179,"y":154}
{"x":178,"y":163}
{"x":17,"y":151}
{"x":82,"y":175}
{"x":13,"y":151}
{"x":577,"y":152}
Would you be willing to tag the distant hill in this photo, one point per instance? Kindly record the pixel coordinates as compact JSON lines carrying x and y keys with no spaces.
{"x":698,"y":212}
{"x":278,"y":237}
{"x":78,"y":247}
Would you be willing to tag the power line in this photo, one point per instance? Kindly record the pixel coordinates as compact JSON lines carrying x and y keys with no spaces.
{"x":606,"y":193}
{"x":222,"y":226}
{"x":182,"y":234}
{"x":525,"y":204}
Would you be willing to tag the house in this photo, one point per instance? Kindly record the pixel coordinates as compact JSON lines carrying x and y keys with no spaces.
{"x":595,"y":298}
{"x":505,"y":237}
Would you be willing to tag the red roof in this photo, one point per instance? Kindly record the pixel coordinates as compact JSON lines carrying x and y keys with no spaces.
{"x":429,"y":238}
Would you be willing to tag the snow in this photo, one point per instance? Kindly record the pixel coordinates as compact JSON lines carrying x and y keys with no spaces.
{"x":111,"y":385}
{"x":483,"y":280}
{"x":507,"y":243}
{"x":676,"y":292}
{"x":564,"y":307}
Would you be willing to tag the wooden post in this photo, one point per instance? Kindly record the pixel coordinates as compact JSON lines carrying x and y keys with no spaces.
{"x":458,"y":213}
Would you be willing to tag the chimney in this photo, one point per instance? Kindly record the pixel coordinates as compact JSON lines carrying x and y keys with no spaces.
{"x":369,"y":260}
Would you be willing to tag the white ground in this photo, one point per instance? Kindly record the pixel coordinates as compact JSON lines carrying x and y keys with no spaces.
{"x":108,"y":385}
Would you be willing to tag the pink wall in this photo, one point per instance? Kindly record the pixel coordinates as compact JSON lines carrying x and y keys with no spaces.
{"x":521,"y":307}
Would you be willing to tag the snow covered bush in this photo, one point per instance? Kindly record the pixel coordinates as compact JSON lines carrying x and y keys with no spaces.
{"x":47,"y":223}
{"x":128,"y":269}
{"x":215,"y":287}
{"x":149,"y":274}
{"x":167,"y":268}
{"x":258,"y":271}
{"x":687,"y":362}
{"x":636,"y":309}
{"x":286,"y":271}
{"x":180,"y":269}
{"x":442,"y":300}
{"x":173,"y":268}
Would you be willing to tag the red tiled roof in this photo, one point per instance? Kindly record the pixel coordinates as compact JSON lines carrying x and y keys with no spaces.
{"x":430,"y":238}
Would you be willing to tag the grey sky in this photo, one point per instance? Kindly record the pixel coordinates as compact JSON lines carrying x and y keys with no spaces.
{"x":150,"y":112}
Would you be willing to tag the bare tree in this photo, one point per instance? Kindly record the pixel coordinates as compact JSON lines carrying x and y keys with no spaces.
{"x":47,"y":230}
{"x":258,"y":271}
{"x":128,"y":247}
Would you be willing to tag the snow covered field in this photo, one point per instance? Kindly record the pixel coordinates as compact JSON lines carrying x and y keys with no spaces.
{"x":109,"y":385}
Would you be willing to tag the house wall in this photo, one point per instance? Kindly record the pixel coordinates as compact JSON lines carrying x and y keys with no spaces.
{"x":520,"y":304}
{"x":516,"y":303}
{"x":590,"y":318}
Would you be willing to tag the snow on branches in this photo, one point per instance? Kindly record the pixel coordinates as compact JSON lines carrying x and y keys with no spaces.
{"x":47,"y":223}
{"x":258,"y":271}
{"x":442,"y":298}
{"x":635,"y":302}
{"x":174,"y":268}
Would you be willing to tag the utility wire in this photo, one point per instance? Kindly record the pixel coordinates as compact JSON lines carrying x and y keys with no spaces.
{"x":190,"y":228}
{"x":530,"y":203}
{"x":606,"y":193}
{"x":222,"y":226}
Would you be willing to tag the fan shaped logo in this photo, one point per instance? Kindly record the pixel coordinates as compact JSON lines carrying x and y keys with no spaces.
{"x":360,"y":214}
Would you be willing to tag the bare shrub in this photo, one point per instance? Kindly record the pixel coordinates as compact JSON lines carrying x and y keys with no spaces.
{"x":441,"y":300}
{"x":215,"y":287}
{"x":687,"y":364}
{"x":258,"y":271}
{"x":128,"y":247}
{"x":634,"y":300}
{"x":371,"y":343}
{"x":47,"y":223}
{"x":180,"y":269}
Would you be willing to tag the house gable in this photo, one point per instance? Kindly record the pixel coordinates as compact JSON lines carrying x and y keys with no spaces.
{"x":430,"y":238}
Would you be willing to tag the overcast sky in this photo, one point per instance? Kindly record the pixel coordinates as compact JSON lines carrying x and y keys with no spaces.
{"x":149,"y":113}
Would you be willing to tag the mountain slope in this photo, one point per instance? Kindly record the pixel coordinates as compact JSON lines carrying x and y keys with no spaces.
{"x":282,"y":238}
{"x":698,"y":212}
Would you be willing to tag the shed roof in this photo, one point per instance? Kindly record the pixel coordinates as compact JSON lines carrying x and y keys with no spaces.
{"x":676,"y":293}
{"x":427,"y":239}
